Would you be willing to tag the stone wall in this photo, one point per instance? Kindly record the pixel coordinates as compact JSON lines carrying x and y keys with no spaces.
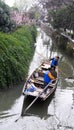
{"x":63,"y":43}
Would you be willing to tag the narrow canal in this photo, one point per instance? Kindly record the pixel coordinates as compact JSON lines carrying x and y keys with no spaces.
{"x":56,"y":113}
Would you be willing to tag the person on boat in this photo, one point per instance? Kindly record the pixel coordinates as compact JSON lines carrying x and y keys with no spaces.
{"x":54,"y":62}
{"x":50,"y":75}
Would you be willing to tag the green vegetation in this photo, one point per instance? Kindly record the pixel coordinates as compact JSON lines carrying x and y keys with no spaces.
{"x":64,"y":18}
{"x":6,"y":24}
{"x":16,"y":51}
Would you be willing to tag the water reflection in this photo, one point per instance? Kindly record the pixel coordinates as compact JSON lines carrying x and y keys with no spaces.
{"x":61,"y":108}
{"x":40,"y":51}
{"x":8,"y":97}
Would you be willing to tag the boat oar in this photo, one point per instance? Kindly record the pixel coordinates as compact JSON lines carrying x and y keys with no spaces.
{"x":24,"y":98}
{"x":37,"y":97}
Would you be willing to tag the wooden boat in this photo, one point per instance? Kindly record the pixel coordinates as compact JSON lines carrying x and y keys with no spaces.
{"x":34,"y":84}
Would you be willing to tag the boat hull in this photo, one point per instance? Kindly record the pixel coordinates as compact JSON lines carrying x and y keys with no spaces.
{"x":34,"y":86}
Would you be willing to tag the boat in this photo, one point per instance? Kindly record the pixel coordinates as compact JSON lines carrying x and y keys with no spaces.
{"x":33,"y":86}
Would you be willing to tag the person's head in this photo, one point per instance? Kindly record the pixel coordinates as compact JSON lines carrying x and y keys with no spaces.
{"x":57,"y":57}
{"x":53,"y":72}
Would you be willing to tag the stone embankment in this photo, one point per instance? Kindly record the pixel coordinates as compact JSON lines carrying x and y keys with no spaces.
{"x":62,"y":40}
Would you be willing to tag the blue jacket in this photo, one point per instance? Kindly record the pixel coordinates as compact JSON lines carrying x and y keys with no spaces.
{"x":46,"y":77}
{"x":54,"y":62}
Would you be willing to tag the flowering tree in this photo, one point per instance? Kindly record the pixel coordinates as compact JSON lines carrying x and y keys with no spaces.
{"x":19,"y":17}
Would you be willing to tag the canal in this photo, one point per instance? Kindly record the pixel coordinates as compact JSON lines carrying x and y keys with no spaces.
{"x":56,"y":113}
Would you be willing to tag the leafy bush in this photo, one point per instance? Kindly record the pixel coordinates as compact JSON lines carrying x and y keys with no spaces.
{"x":16,"y":50}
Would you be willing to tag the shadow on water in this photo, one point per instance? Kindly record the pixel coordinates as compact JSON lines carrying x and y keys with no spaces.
{"x":8,"y":97}
{"x":39,"y":108}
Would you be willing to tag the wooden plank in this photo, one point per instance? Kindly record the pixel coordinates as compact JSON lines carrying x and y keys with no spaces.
{"x":40,"y":79}
{"x":37,"y":81}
